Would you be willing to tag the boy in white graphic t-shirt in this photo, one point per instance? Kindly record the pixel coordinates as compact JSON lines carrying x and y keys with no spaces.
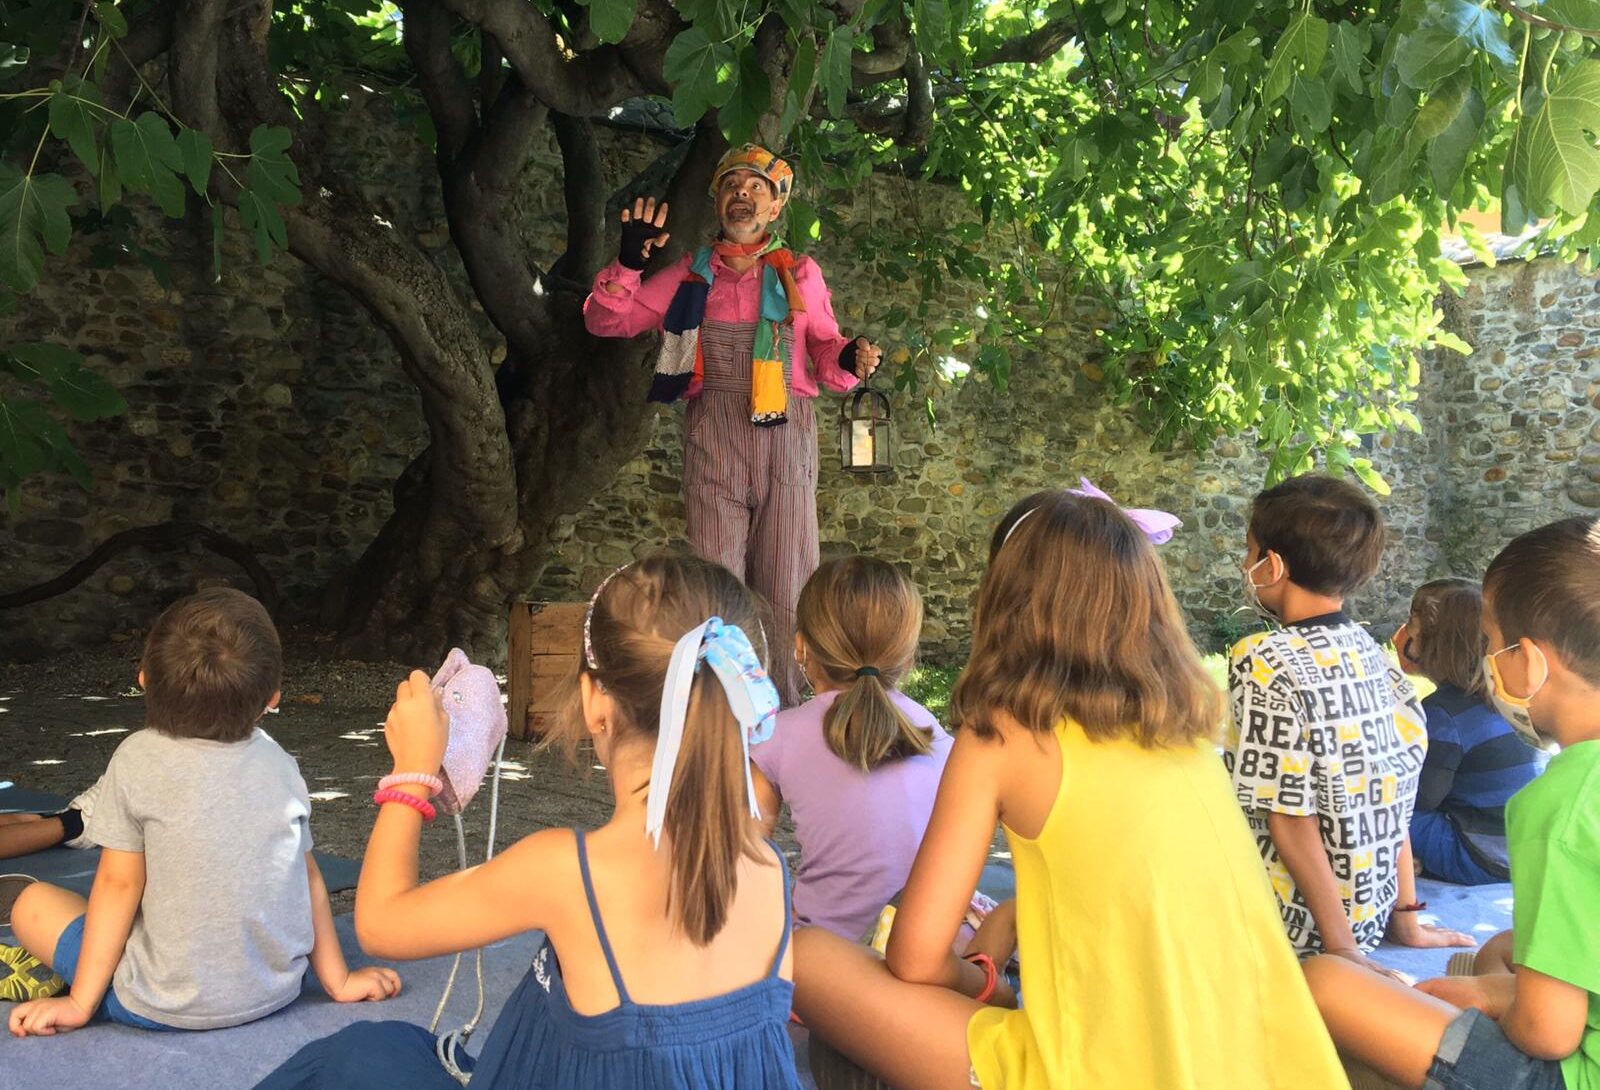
{"x":1327,"y":736}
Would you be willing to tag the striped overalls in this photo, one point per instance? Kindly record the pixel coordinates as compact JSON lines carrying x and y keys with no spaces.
{"x":750,"y":493}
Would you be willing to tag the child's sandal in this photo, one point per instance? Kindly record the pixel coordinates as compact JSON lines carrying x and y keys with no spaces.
{"x":24,"y":977}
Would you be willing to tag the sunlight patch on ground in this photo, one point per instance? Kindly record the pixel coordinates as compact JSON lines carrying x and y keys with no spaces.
{"x":98,"y":733}
{"x":513,"y":770}
{"x":50,"y":761}
{"x":328,"y":796}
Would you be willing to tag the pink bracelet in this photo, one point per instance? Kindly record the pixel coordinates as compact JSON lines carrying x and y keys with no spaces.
{"x":433,"y":783}
{"x":405,"y":798}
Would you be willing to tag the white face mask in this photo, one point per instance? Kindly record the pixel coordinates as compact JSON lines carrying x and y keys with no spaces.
{"x":1252,"y":592}
{"x":1515,"y":709}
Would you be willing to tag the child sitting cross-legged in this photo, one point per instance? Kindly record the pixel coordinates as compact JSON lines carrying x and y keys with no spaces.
{"x":1536,"y":1026}
{"x":207,"y":904}
{"x":1152,"y":956}
{"x":1475,"y":760}
{"x":1327,"y":735}
{"x":665,"y":960}
{"x":859,"y":763}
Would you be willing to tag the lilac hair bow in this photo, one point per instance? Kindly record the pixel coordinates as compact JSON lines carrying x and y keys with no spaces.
{"x":1156,"y":525}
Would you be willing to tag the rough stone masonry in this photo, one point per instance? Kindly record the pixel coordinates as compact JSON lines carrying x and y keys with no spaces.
{"x":268,"y":407}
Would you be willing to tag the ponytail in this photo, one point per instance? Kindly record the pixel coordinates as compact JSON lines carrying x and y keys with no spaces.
{"x":707,"y":822}
{"x":865,"y":727}
{"x":635,"y":622}
{"x":859,"y":619}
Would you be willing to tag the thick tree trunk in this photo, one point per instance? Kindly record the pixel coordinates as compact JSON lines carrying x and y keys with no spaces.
{"x":511,"y":450}
{"x":573,"y":417}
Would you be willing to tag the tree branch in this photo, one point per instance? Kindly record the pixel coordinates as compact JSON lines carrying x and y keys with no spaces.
{"x":1526,"y":16}
{"x":506,"y":137}
{"x":577,"y":84}
{"x":651,"y":181}
{"x":193,"y":75}
{"x":426,"y":27}
{"x":1031,"y":48}
{"x":490,"y":67}
{"x":891,"y":46}
{"x":478,"y":192}
{"x":147,"y":38}
{"x":583,"y":186}
{"x":918,"y":124}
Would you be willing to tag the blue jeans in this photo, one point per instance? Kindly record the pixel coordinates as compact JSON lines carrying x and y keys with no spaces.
{"x":65,"y":963}
{"x":1439,"y":849}
{"x":1475,"y":1055}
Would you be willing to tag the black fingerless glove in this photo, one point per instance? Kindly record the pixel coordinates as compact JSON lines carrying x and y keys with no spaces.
{"x":635,"y":234}
{"x":847,"y":358}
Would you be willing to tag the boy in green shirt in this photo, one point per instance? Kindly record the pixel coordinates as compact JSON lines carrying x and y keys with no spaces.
{"x":1536,"y":1027}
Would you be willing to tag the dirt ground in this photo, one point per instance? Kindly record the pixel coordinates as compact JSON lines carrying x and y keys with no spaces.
{"x":60,"y":721}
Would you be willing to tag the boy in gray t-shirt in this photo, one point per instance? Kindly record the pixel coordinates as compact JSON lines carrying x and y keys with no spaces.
{"x":207,"y":904}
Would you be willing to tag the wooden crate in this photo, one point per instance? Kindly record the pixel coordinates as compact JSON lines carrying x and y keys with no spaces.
{"x":543,"y":652}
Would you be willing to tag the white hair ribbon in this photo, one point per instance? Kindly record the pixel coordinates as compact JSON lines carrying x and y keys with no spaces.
{"x":751,"y":696}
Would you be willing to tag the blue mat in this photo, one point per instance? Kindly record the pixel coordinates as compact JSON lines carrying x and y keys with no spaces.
{"x":1480,"y":911}
{"x":113,"y":1057}
{"x":110,"y":1057}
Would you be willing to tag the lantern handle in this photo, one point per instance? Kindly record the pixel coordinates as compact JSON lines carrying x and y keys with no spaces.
{"x":866,"y":388}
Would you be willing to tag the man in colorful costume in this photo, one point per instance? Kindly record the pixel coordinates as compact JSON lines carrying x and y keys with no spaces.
{"x":748,"y":337}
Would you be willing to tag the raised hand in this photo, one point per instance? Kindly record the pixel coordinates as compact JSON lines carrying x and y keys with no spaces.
{"x":416,"y":728}
{"x":642,"y":231}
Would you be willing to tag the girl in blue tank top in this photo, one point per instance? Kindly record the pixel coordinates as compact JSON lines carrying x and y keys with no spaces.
{"x":666,"y":955}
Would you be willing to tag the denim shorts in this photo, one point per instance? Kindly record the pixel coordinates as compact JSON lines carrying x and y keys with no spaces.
{"x":1475,"y":1055}
{"x":65,"y":963}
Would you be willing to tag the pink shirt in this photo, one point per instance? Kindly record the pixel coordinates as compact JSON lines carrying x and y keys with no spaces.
{"x":734,"y":297}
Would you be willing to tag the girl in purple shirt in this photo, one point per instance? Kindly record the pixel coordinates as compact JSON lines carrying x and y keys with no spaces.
{"x":859,"y":763}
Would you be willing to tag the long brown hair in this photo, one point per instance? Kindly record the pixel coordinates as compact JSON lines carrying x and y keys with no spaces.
{"x":1448,"y":642}
{"x":638,"y":619}
{"x":1075,"y":620}
{"x":860,"y":618}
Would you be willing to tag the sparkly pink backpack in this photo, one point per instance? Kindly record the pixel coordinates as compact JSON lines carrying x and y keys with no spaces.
{"x":471,"y":699}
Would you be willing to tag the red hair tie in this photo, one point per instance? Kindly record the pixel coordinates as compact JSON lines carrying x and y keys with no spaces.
{"x":405,"y":798}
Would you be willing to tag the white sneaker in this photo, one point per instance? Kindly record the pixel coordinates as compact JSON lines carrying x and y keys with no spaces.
{"x":84,"y":804}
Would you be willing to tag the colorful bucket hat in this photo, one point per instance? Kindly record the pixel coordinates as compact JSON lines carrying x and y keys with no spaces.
{"x":754,"y":157}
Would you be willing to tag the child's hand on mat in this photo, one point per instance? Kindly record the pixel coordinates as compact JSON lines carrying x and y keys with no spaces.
{"x":373,"y":984}
{"x":1351,"y":954}
{"x":1407,"y":930}
{"x":1490,"y":994}
{"x":47,"y":1017}
{"x":416,"y":728}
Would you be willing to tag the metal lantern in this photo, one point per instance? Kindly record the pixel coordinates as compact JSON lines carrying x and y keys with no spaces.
{"x":866,"y":432}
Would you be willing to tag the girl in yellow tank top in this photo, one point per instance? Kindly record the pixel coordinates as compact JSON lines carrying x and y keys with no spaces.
{"x":1151,"y":949}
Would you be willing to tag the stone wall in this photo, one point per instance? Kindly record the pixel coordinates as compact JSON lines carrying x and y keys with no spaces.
{"x":268,"y":407}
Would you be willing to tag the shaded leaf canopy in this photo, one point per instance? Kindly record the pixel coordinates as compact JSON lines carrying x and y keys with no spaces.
{"x":1245,"y":202}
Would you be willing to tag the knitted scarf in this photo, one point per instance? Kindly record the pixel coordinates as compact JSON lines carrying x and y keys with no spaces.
{"x":680,"y":369}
